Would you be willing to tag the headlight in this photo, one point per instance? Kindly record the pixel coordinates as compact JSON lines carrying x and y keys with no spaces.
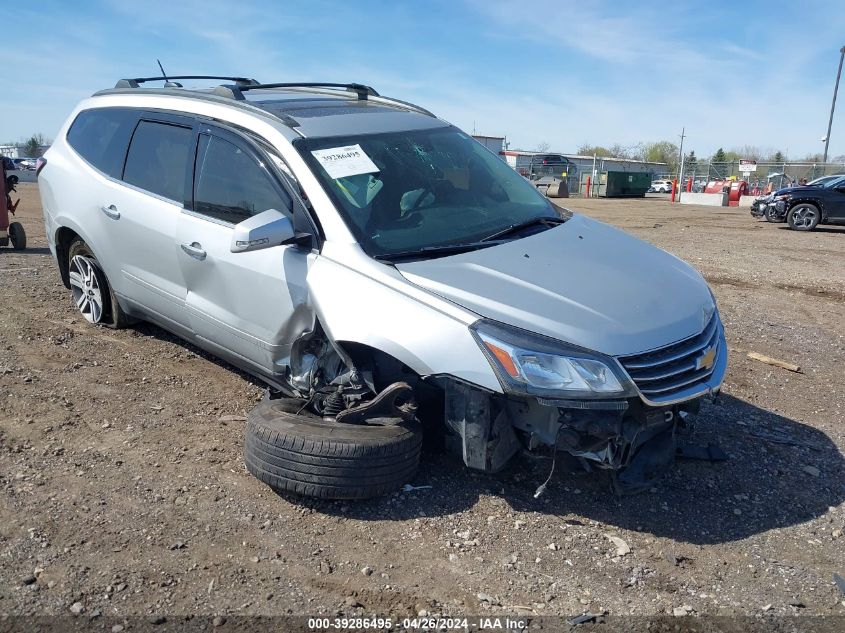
{"x":783,"y":197}
{"x":528,"y":363}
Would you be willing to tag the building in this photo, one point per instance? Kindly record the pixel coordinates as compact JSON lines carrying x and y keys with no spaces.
{"x":494,"y":143}
{"x":9,"y":150}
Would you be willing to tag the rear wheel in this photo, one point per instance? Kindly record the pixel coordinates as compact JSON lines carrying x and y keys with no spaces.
{"x":92,"y":294}
{"x":803,"y":217}
{"x":17,"y":236}
{"x":294,"y":451}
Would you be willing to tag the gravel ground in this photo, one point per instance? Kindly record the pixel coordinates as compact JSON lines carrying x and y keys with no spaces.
{"x":123,"y":492}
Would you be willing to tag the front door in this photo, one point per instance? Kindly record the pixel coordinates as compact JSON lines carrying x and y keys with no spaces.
{"x":249,"y":306}
{"x":836,"y":202}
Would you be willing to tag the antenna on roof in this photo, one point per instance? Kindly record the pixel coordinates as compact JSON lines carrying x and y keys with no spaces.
{"x":167,"y":82}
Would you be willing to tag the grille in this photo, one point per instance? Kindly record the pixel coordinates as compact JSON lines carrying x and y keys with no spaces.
{"x":662,"y":373}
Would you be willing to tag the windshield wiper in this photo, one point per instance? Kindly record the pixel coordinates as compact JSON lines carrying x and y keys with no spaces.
{"x":435,"y":251}
{"x":519,"y":226}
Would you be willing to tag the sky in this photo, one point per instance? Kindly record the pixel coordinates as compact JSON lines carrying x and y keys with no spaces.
{"x":735,"y":73}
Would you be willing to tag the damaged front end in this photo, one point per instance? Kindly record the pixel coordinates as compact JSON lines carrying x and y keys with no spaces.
{"x":339,"y":389}
{"x":635,"y":441}
{"x":618,"y":414}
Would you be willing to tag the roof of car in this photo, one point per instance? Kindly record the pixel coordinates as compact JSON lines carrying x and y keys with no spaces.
{"x":312,"y":110}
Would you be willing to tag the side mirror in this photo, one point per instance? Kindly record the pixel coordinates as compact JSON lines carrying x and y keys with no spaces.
{"x":267,"y":229}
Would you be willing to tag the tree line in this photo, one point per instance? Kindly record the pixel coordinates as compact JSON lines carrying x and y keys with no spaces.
{"x":667,"y":152}
{"x":32,"y":147}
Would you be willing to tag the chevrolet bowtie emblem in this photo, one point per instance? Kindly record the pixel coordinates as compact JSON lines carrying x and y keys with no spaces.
{"x":706,"y":360}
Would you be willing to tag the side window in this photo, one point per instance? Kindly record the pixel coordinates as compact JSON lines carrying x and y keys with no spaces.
{"x":230,"y":185}
{"x":101,"y":135}
{"x":158,"y":156}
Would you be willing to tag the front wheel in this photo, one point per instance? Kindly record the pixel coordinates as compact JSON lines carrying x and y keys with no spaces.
{"x":803,"y":217}
{"x":772,"y":215}
{"x":92,"y":294}
{"x":17,"y":236}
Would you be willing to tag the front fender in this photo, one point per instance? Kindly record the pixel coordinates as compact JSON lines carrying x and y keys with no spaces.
{"x":378,"y":308}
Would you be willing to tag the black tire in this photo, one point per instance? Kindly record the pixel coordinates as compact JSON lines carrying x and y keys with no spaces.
{"x":113,"y":315}
{"x":17,"y":236}
{"x":803,"y":217}
{"x":771,"y":215}
{"x":305,"y":455}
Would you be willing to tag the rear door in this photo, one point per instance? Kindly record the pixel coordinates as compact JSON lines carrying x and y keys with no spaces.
{"x":142,"y":213}
{"x":249,"y":306}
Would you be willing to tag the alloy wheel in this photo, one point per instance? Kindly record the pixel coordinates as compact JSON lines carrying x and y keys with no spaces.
{"x":85,"y":285}
{"x":803,"y":217}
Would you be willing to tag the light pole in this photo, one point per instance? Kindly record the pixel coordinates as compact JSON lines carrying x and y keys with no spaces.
{"x":681,"y":162}
{"x":833,"y":105}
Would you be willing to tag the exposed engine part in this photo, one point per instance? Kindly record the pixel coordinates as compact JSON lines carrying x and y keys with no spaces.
{"x":333,"y":403}
{"x":397,"y":400}
{"x":322,"y":375}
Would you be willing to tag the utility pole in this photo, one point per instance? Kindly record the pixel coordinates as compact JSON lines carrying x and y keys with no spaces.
{"x":833,"y":105}
{"x":681,"y":162}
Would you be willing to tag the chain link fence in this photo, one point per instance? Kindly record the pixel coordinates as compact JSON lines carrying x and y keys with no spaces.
{"x":777,"y":174}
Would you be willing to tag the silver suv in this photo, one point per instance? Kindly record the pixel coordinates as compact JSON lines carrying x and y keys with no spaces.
{"x":382,"y":272}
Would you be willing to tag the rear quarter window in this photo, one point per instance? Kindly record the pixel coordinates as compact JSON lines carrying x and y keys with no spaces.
{"x":101,"y":136}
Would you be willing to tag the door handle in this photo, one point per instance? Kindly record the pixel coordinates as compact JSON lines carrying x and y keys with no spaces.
{"x":111,"y":211}
{"x":194,"y":250}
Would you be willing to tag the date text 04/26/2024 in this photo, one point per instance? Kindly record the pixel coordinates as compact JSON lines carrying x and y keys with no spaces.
{"x":418,"y":623}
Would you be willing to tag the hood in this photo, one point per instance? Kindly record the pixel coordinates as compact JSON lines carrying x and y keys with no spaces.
{"x":800,"y":188}
{"x":582,"y":282}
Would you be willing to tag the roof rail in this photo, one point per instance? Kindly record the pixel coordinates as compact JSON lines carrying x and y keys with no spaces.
{"x":136,"y":83}
{"x":363,"y":92}
{"x":236,"y":92}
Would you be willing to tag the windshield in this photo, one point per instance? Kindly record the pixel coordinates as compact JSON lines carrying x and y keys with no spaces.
{"x":422,"y":189}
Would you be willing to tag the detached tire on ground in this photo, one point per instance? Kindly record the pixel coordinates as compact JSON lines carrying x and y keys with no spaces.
{"x":306,"y":455}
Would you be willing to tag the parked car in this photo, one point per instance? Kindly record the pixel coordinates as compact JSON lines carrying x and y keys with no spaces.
{"x":375,"y":265}
{"x":803,"y":207}
{"x":661,"y":186}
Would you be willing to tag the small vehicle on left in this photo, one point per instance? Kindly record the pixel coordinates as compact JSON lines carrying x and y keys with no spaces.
{"x":10,"y":231}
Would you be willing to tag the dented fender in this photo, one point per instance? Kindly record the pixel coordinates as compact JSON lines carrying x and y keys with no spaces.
{"x":358,"y":299}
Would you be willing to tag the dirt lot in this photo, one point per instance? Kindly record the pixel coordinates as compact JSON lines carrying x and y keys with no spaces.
{"x":123,"y":487}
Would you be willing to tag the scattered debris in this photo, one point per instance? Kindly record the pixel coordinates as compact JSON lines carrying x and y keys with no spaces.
{"x":682,"y":611}
{"x":840,"y":582}
{"x":232,"y":418}
{"x":675,"y":560}
{"x":774,"y":361}
{"x":583,"y":618}
{"x":622,"y":547}
{"x":811,"y":470}
{"x":777,"y":437}
{"x":710,"y":453}
{"x":410,"y":488}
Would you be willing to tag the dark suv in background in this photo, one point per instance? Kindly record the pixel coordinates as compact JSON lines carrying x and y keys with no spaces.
{"x":805,"y":207}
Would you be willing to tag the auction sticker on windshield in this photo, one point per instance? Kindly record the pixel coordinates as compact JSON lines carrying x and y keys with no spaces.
{"x":340,"y":162}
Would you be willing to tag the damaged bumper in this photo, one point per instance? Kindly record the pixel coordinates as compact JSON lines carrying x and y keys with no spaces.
{"x":632,"y":436}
